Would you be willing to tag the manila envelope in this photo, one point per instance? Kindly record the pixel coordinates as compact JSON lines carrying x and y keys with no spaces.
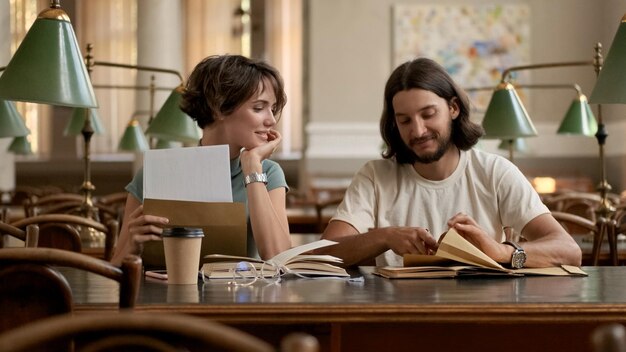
{"x":223,"y":223}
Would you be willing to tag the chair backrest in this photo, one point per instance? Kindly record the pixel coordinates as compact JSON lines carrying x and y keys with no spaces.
{"x":34,"y":206}
{"x":64,"y":231}
{"x":127,"y":331}
{"x":578,"y":203}
{"x":30,"y":236}
{"x":31,"y":288}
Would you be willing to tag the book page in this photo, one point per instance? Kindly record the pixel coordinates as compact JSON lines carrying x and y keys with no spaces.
{"x":282,"y":258}
{"x":455,"y":247}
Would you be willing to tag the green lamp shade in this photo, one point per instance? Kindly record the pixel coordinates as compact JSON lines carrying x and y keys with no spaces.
{"x":579,"y":119}
{"x":75,"y":126}
{"x":506,"y":117}
{"x":21,"y":146}
{"x":172,"y":124}
{"x":47,"y":67}
{"x":610,"y":86}
{"x":11,"y":123}
{"x":133,"y":138}
{"x":519,"y":145}
{"x":165,"y":144}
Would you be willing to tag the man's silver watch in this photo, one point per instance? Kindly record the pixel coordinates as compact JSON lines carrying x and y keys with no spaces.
{"x":255,"y":177}
{"x":518,"y":259}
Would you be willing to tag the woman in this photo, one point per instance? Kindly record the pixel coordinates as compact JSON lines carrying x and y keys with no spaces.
{"x":235,"y":101}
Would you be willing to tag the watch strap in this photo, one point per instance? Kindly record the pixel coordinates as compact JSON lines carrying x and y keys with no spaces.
{"x":255,"y":177}
{"x":518,"y":258}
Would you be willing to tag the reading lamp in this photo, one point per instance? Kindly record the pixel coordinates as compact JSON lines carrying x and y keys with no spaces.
{"x":605,"y":211}
{"x":578,"y":120}
{"x":506,"y":118}
{"x":21,"y":146}
{"x":77,"y":122}
{"x":170,"y":122}
{"x":47,"y":67}
{"x":11,"y":123}
{"x":610,"y":88}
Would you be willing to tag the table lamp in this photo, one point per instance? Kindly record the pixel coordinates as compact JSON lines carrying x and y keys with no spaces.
{"x":133,"y":138}
{"x":11,"y":123}
{"x":172,"y":124}
{"x":47,"y":67}
{"x":579,"y":119}
{"x":77,"y":122}
{"x":20,"y":145}
{"x":506,"y":118}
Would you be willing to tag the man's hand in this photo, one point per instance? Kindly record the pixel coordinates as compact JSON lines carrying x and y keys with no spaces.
{"x":469,"y":229}
{"x":409,"y":240}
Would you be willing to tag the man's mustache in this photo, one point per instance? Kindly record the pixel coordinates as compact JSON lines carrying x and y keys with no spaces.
{"x":422,"y":139}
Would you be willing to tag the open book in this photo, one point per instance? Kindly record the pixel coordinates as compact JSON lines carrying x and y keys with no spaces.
{"x":292,"y":261}
{"x":458,"y":257}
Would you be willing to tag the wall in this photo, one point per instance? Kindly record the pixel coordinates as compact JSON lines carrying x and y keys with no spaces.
{"x":350,"y":60}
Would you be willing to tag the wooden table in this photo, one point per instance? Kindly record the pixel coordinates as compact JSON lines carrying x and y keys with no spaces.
{"x":469,"y":314}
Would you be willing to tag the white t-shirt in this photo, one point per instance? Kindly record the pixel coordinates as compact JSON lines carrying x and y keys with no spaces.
{"x":487,"y":187}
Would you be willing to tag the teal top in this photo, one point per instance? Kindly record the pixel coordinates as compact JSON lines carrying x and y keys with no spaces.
{"x":275,"y":179}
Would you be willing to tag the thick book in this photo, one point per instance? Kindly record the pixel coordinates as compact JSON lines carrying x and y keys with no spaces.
{"x":291,"y":261}
{"x":458,"y":257}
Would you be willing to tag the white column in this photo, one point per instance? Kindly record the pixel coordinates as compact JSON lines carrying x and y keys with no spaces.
{"x":159,"y":44}
{"x":7,"y":160}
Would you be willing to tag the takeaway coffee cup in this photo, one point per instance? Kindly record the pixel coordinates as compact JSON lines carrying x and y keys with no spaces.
{"x":182,"y":254}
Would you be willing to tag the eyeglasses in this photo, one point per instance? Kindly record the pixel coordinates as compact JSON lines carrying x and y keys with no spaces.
{"x":245,"y":273}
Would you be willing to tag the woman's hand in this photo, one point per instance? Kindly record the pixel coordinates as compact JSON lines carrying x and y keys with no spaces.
{"x":469,"y":229}
{"x":251,"y":158}
{"x":143,"y":228}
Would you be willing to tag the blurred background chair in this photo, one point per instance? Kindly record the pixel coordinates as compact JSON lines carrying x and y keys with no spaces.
{"x":31,"y":288}
{"x":584,"y":231}
{"x":39,"y":205}
{"x":126,"y":331}
{"x":70,"y":232}
{"x":30,"y":236}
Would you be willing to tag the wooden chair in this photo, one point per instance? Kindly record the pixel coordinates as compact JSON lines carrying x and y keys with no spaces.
{"x":33,"y":207}
{"x":31,"y":288}
{"x":30,"y":236}
{"x":64,"y":231}
{"x":126,"y":331}
{"x":112,"y":205}
{"x":571,"y":221}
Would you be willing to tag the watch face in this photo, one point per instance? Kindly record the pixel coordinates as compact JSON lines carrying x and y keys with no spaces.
{"x":518,"y":259}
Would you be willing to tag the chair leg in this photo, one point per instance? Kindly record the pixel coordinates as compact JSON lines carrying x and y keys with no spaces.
{"x":597,"y":241}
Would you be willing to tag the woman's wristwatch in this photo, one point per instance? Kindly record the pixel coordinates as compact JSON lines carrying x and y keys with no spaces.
{"x":255,"y":177}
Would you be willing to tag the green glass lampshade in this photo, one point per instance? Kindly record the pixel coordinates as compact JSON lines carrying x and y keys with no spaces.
{"x":48,"y":67}
{"x":11,"y":123}
{"x":579,"y":119}
{"x":133,"y":138}
{"x":165,"y":144}
{"x":172,"y":124}
{"x":506,"y":117}
{"x":519,"y":145}
{"x":75,"y":126}
{"x":21,"y":146}
{"x":610,"y":86}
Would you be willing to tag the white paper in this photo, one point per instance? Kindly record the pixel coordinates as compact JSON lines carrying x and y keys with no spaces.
{"x":199,"y":174}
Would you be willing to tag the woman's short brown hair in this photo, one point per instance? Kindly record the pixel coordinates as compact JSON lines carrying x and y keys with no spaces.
{"x":218,"y":85}
{"x":428,"y":75}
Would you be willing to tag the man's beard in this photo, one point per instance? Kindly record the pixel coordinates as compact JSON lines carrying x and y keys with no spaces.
{"x":443,"y":144}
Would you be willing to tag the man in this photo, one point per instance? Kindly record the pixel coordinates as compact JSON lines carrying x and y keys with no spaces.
{"x":430,"y":180}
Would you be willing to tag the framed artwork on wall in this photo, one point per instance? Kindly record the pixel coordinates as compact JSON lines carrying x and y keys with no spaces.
{"x":474,"y":43}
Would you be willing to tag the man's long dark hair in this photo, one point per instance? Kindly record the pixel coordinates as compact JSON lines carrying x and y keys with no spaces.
{"x":428,"y":75}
